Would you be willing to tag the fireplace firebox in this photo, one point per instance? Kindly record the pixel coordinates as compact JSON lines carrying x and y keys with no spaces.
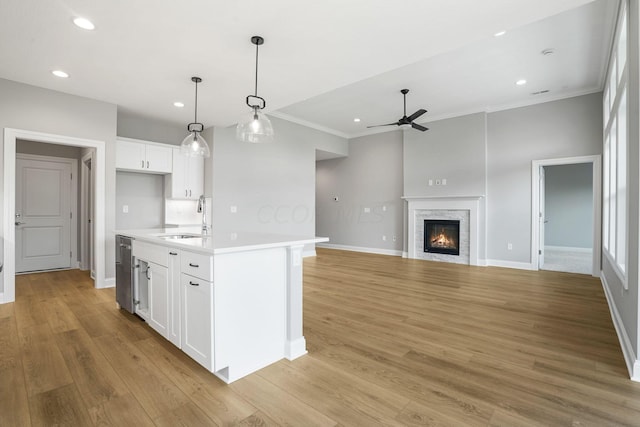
{"x":442,"y":236}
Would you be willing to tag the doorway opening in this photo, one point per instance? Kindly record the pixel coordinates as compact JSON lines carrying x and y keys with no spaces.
{"x":566,"y":219}
{"x":9,"y":174}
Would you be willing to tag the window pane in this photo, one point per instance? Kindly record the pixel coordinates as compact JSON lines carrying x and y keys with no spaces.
{"x":613,"y":84}
{"x":621,"y":193}
{"x":622,"y":45}
{"x":605,"y":194}
{"x":612,"y":189}
{"x":605,"y":106}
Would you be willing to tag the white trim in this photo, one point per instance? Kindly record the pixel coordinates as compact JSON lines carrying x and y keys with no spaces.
{"x":405,"y":254}
{"x":567,"y":249}
{"x":633,"y":365}
{"x":377,"y":251}
{"x":309,"y":253}
{"x":308,"y":124}
{"x":73,"y":200}
{"x":84,"y":263}
{"x":10,"y":138}
{"x":296,"y":348}
{"x":509,"y":264}
{"x":144,"y":141}
{"x":596,"y":206}
{"x":109,"y":282}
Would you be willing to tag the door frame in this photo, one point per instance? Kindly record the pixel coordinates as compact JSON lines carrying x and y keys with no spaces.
{"x":9,"y":201}
{"x":73,"y":205}
{"x":86,"y":177}
{"x":596,"y":164}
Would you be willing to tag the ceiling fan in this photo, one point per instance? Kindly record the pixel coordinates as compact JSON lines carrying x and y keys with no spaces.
{"x":406,"y":120}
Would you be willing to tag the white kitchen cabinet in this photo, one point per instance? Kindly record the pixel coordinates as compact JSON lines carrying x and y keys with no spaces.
{"x":175,"y":310}
{"x":140,"y":156}
{"x":197,"y":319}
{"x":158,"y":298}
{"x":187,"y":177}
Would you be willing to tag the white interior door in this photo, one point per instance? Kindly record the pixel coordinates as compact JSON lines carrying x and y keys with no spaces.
{"x":541,"y":219}
{"x":43,"y":215}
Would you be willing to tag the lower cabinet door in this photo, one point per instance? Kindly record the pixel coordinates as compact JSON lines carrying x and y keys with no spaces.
{"x":158,"y":298}
{"x":197,"y":320}
{"x":175,"y":318}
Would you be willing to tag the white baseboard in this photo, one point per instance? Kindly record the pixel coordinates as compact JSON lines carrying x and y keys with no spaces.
{"x":360,"y":249}
{"x":568,"y":249}
{"x":306,"y":254}
{"x":295,"y":349}
{"x":510,"y":264}
{"x":405,"y":254}
{"x":2,"y":301}
{"x":109,"y":282}
{"x":633,"y":364}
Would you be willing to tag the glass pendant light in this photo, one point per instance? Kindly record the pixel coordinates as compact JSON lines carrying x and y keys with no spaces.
{"x":194,"y":144}
{"x":255,"y":127}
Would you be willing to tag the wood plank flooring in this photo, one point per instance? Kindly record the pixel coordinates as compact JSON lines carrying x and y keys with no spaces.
{"x":391,"y":342}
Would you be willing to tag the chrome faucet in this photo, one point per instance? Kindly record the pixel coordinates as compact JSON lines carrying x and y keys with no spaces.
{"x":202,"y":208}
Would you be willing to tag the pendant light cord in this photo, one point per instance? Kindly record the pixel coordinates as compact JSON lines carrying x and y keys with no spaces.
{"x":196,"y":109}
{"x":256,"y":91}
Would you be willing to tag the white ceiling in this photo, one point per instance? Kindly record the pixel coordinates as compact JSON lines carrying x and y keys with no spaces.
{"x":324,"y":61}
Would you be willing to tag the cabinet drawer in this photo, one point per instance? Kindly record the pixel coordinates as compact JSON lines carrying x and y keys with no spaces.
{"x":197,"y":265}
{"x":150,"y":252}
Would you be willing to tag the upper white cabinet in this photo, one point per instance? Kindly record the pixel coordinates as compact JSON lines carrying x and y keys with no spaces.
{"x":141,"y":156}
{"x":187,"y":178}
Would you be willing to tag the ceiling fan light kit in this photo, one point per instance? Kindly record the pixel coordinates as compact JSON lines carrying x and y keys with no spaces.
{"x":405,"y":121}
{"x":194,"y":144}
{"x":256,"y":126}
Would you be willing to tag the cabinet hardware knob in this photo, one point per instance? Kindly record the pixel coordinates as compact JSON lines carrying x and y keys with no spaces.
{"x":193,"y":283}
{"x":173,"y":253}
{"x":147,"y":164}
{"x":194,"y":265}
{"x":186,"y":193}
{"x":142,"y":164}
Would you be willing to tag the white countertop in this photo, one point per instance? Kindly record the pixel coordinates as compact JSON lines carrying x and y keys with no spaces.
{"x":218,"y":242}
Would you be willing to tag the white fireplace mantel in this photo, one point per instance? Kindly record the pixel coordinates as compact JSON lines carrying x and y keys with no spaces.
{"x":473,"y":204}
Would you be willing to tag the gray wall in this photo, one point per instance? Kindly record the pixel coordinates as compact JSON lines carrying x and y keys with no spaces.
{"x":566,"y":128}
{"x":453,"y":149}
{"x":569,"y":205}
{"x":139,"y":127}
{"x":144,"y":195}
{"x":35,"y":109}
{"x":626,"y":300}
{"x":272,"y":185}
{"x":370,"y":177}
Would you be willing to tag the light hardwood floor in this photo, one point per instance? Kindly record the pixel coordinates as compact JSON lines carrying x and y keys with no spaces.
{"x":391,"y":342}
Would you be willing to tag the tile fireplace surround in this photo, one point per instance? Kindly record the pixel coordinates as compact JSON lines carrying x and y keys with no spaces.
{"x":466,"y":209}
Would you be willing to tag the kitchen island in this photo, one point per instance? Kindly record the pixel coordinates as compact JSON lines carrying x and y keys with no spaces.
{"x":232,"y":301}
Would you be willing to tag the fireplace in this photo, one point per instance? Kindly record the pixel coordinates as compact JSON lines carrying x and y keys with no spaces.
{"x":442,"y":236}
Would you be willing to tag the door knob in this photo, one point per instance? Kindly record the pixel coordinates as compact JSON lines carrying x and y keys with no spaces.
{"x":19,"y":223}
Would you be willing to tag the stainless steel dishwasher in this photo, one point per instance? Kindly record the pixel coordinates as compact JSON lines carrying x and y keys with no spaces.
{"x":124,"y":273}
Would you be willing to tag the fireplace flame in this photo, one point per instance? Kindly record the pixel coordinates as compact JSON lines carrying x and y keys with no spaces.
{"x":442,"y":241}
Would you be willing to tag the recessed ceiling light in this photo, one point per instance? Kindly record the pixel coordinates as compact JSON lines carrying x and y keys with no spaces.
{"x":84,"y":23}
{"x":60,"y":73}
{"x":500,"y":33}
{"x":521,"y":82}
{"x":178,"y":104}
{"x":357,"y":120}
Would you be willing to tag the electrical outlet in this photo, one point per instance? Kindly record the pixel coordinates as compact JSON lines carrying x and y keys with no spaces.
{"x":384,"y":238}
{"x":234,"y":209}
{"x":125,"y":208}
{"x":367,"y":210}
{"x":430,"y":182}
{"x":509,"y":246}
{"x":384,"y":208}
{"x":394,"y":238}
{"x":444,"y":181}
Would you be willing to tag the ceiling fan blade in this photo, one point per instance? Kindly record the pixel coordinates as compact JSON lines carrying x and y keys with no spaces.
{"x":419,"y":127}
{"x":388,"y":124}
{"x":416,"y":114}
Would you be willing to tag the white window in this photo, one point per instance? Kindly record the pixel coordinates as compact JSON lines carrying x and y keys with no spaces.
{"x":614,"y":191}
